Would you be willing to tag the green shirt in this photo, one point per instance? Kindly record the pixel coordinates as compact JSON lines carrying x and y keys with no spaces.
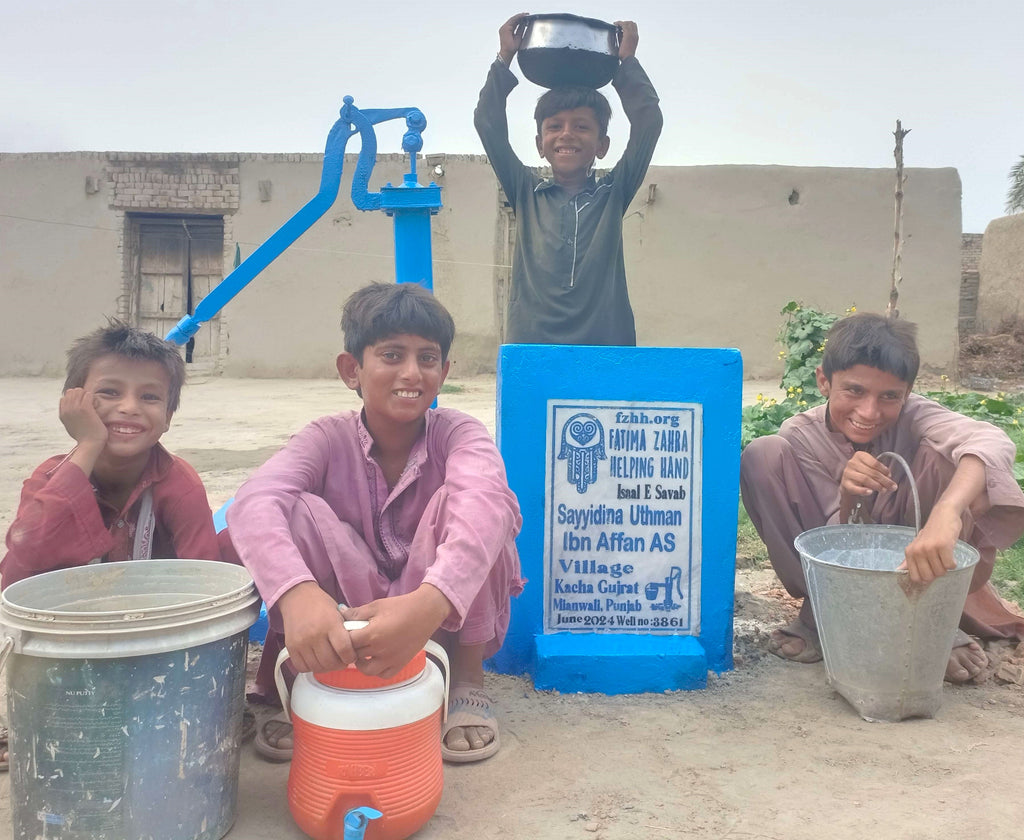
{"x":568,"y":272}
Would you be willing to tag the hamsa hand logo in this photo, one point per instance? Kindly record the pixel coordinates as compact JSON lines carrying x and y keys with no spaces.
{"x":582,"y":448}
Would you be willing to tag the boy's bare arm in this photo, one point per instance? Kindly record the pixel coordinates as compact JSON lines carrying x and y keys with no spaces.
{"x":510,"y":36}
{"x":930,"y":555}
{"x":314,"y":630}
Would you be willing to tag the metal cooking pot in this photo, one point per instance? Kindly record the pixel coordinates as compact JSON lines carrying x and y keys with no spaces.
{"x":564,"y":49}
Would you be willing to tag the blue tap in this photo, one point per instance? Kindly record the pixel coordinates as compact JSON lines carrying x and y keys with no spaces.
{"x":356,"y":821}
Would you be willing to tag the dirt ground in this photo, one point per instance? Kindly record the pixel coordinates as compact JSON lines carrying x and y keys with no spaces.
{"x":767,"y":751}
{"x":994,"y":362}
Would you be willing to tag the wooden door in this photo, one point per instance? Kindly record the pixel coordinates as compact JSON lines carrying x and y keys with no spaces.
{"x":180,"y":259}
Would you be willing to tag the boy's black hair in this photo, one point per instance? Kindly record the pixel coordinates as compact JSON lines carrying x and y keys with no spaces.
{"x":569,"y":98}
{"x":887,"y":344}
{"x":121,"y":339}
{"x":383,"y":310}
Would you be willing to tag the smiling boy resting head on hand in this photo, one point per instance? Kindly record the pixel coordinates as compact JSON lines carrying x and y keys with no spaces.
{"x":118,"y":495}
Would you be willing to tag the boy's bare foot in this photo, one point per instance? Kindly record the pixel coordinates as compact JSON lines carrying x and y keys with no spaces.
{"x":796,"y":642}
{"x":966,"y":661}
{"x":471,"y":731}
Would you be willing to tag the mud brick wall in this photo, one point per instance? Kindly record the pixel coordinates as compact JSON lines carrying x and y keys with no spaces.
{"x":173,"y":182}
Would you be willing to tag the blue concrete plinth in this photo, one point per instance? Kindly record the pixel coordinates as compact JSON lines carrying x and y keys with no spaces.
{"x":629,"y":533}
{"x":628,"y":664}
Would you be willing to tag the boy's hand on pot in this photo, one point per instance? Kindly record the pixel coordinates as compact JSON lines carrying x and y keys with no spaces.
{"x":930,"y":554}
{"x":398,"y":629}
{"x":864,"y":475}
{"x":510,"y":36}
{"x":628,"y":39}
{"x":314,"y":631}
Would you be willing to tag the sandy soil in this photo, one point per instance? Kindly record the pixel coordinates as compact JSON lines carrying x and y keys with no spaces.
{"x":767,"y":751}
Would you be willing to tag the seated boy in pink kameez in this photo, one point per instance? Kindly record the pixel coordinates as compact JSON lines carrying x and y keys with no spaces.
{"x":400,"y":511}
{"x":823,"y":464}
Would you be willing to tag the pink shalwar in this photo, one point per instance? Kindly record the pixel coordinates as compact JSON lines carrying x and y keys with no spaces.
{"x":790,"y":483}
{"x":320,"y":510}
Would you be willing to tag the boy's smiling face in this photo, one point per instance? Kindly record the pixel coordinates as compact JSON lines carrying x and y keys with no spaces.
{"x":131,"y":398}
{"x":570,"y":141}
{"x":863,"y":401}
{"x":399,"y":377}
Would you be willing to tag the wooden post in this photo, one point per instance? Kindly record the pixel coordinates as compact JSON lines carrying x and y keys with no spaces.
{"x":897,"y":252}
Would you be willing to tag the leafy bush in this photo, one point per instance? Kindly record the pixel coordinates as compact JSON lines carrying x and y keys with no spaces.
{"x":803,"y":339}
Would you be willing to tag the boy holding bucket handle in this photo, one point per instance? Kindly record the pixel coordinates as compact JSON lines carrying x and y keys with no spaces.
{"x":823,"y":462}
{"x":118,"y":495}
{"x":399,"y":509}
{"x":568,"y":272}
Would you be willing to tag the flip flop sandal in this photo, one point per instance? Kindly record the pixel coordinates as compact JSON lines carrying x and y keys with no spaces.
{"x":798,"y":630}
{"x":470,"y":706}
{"x":274,"y":729}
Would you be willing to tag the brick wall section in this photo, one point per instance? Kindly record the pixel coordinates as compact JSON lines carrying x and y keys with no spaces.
{"x":970,"y":280}
{"x":970,"y":251}
{"x":175,"y":182}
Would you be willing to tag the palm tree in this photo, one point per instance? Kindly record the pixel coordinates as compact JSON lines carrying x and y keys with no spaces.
{"x":1015,"y":195}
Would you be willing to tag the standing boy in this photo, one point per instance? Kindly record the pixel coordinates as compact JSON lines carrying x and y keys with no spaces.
{"x":568,"y":271}
{"x":118,"y":495}
{"x":399,"y":510}
{"x":824,"y":463}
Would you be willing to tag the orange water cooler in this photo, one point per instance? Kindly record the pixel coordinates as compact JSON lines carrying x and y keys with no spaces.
{"x":367,"y":743}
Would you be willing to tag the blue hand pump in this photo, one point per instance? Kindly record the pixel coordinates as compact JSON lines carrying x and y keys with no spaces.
{"x":410,"y":205}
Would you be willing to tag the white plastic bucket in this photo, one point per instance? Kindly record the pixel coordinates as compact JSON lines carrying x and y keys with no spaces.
{"x":126,"y":687}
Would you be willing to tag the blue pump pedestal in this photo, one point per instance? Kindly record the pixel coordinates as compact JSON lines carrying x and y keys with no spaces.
{"x":625,"y":461}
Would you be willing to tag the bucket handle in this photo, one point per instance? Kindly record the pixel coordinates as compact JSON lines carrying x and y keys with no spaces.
{"x":855,"y":514}
{"x":432,"y":648}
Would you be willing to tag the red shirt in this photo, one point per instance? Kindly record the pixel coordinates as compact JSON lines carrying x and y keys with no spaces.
{"x":62,"y":521}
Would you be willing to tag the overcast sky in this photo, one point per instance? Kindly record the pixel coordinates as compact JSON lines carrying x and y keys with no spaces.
{"x":741,"y":81}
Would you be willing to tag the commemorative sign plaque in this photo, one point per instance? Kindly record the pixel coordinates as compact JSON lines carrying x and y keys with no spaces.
{"x":622,"y":519}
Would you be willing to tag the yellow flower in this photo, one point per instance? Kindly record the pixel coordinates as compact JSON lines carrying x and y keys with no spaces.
{"x":782,"y":354}
{"x":984,"y":402}
{"x":821,"y":349}
{"x":802,"y":402}
{"x":760,"y":397}
{"x":799,"y":390}
{"x":944,"y":378}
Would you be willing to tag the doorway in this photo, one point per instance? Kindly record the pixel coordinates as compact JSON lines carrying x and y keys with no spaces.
{"x":178,"y":259}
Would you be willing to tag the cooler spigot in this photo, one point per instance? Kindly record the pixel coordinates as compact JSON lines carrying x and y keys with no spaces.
{"x":356,"y":821}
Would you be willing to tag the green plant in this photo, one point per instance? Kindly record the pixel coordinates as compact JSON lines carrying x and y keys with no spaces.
{"x":802,"y":336}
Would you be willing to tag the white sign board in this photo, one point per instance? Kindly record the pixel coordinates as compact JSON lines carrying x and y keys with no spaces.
{"x":622,"y":517}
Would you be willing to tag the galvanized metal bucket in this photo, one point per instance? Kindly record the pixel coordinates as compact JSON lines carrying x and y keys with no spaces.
{"x":886,"y":641}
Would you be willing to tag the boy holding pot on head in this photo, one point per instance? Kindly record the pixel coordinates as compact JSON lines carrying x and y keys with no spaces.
{"x":823,"y":463}
{"x":568,"y":271}
{"x":398,"y":509}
